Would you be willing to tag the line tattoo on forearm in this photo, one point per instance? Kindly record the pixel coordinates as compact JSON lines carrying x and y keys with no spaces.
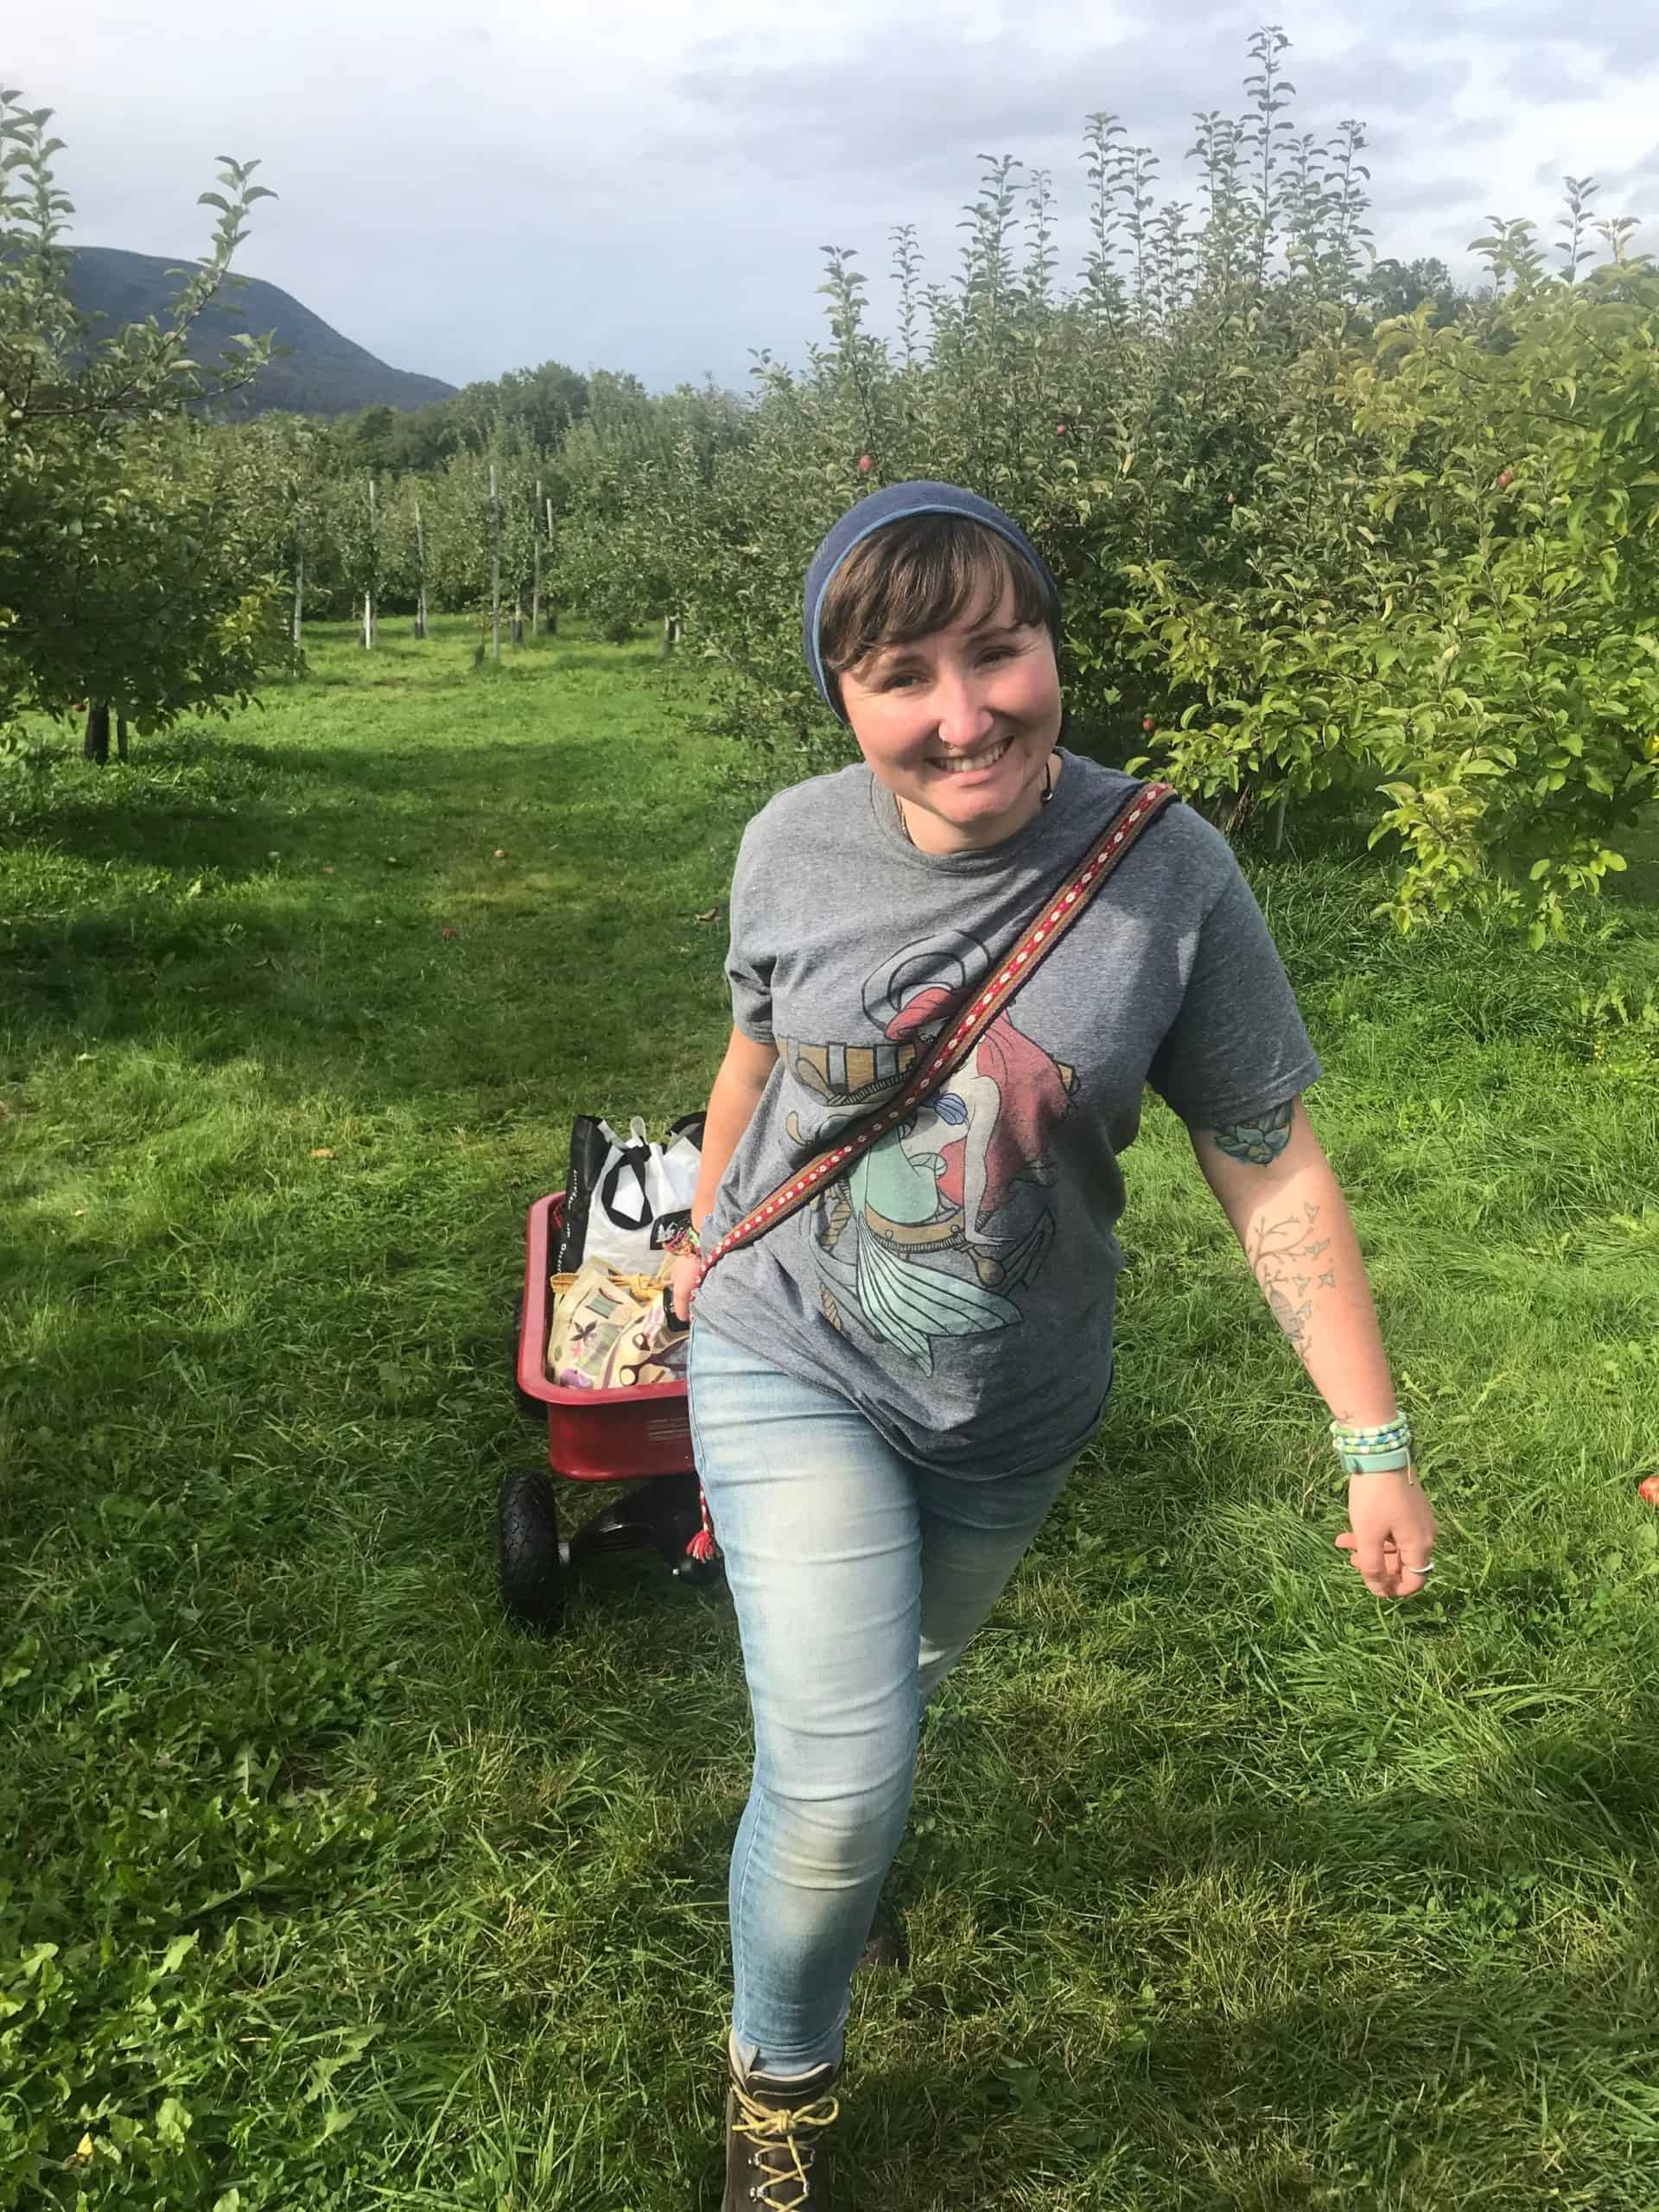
{"x":1283,"y":1255}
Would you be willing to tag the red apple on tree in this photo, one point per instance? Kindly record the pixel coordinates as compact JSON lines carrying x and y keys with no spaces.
{"x":1505,"y":479}
{"x":865,"y":464}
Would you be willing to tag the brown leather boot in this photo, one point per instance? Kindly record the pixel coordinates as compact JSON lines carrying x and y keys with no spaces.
{"x":775,"y":2126}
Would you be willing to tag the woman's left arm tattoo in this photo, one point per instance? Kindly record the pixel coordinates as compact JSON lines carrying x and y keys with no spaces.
{"x":1282,"y":1255}
{"x":1281,"y":1246}
{"x":1257,"y":1143}
{"x":1289,"y":1215}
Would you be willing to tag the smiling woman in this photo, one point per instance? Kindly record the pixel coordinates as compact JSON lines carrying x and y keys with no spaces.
{"x":955,"y":968}
{"x":961,"y":726}
{"x":936,"y":639}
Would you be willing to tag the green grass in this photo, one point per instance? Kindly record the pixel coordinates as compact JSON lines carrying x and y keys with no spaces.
{"x":1226,"y":1887}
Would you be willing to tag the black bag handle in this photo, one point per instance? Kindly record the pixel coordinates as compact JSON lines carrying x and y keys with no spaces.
{"x":636,"y":1156}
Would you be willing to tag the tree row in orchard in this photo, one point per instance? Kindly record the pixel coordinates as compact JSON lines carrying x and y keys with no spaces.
{"x":1321,"y":520}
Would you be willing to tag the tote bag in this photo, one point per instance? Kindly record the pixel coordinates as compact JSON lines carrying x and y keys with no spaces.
{"x":610,"y":1332}
{"x":625,"y":1196}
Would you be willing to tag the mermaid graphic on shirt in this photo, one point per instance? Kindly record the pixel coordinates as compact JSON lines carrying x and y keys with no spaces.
{"x":932,"y":1231}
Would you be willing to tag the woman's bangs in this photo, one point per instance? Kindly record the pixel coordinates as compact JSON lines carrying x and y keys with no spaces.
{"x":942,"y":570}
{"x":964,"y":581}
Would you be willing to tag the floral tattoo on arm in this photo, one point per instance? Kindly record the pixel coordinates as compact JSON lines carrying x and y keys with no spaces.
{"x":1257,"y":1143}
{"x":1283,"y":1253}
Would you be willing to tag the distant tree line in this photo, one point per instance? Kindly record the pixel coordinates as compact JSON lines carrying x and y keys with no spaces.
{"x":538,"y":406}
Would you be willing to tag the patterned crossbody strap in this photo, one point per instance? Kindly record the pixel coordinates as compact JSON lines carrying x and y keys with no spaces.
{"x":964,"y":1024}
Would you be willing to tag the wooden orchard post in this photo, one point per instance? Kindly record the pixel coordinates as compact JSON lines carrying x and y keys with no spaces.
{"x":495,"y":568}
{"x":299,"y":594}
{"x":420,"y":561}
{"x":536,"y":573}
{"x":368,"y":587}
{"x":552,"y":612}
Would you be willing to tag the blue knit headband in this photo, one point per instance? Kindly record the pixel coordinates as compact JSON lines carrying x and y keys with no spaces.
{"x":895,"y":504}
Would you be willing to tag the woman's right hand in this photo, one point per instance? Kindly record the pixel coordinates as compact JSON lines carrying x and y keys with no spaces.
{"x":683,"y":1285}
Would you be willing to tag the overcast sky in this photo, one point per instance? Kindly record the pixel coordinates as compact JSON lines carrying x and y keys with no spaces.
{"x":646,"y":185}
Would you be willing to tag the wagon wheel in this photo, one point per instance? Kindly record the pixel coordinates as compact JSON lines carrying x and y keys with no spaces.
{"x":529,"y":1558}
{"x":526,"y":1403}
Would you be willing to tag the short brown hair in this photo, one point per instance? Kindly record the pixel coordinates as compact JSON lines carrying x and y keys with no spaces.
{"x":918,"y":575}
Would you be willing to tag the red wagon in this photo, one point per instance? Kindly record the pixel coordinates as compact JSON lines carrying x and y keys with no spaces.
{"x":641,"y":1437}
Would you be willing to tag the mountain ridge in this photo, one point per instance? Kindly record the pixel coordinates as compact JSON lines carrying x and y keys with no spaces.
{"x":319,"y":371}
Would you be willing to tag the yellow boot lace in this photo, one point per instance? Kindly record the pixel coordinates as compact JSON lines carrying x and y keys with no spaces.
{"x":783,"y":2138}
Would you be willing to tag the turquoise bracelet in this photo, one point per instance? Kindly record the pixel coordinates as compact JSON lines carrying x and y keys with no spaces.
{"x":1375,"y":1463}
{"x":1380,"y":1450}
{"x":1397,"y":1431}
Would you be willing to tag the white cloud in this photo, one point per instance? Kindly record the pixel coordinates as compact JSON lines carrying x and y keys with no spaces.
{"x":648,"y":186}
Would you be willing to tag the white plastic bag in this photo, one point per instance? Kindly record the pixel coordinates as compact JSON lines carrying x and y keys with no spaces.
{"x":640,"y":1194}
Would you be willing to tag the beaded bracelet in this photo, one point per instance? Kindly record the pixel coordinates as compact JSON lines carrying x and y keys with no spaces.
{"x":1386,"y":1450}
{"x":1393,"y":1432}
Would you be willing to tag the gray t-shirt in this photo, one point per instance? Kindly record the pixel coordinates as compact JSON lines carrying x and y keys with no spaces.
{"x":957,"y":1284}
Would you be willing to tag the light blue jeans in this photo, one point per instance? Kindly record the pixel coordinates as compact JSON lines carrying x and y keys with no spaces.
{"x":858,"y":1578}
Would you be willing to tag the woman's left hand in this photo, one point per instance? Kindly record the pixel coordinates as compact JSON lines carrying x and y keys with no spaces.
{"x":1394,"y":1530}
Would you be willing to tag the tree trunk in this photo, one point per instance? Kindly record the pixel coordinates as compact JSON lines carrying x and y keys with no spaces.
{"x":96,"y":745}
{"x":518,"y":620}
{"x":368,"y":621}
{"x":552,"y":621}
{"x":299,"y":595}
{"x":1233,"y":810}
{"x":495,"y":568}
{"x":1279,"y":824}
{"x":671,"y":633}
{"x":420,"y":558}
{"x":120,"y":737}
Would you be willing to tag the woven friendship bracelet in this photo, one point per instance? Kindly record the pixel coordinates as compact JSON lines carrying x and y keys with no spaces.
{"x":1373,"y":1451}
{"x":1397,"y":1431}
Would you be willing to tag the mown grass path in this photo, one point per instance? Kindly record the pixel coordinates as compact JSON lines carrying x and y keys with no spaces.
{"x":1226,"y":1885}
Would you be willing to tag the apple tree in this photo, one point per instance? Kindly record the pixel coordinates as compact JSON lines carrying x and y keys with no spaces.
{"x":126,"y":587}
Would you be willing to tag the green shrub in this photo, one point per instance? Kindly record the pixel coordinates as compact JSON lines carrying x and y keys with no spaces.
{"x":1300,"y":548}
{"x":1451,"y":582}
